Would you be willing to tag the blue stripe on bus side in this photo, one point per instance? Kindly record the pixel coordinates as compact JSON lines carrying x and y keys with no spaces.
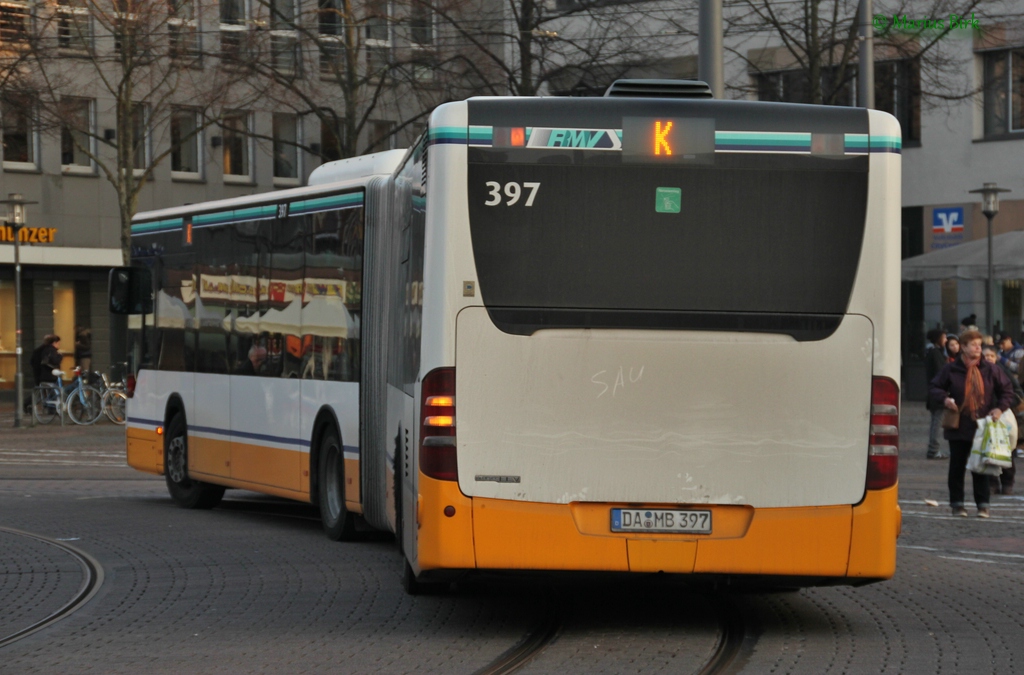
{"x":143,"y":420}
{"x":351,"y":449}
{"x":304,"y":443}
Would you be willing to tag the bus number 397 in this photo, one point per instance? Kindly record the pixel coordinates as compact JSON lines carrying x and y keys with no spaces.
{"x":512,"y":190}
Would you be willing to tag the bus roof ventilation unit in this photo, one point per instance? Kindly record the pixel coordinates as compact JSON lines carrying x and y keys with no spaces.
{"x":659,"y":89}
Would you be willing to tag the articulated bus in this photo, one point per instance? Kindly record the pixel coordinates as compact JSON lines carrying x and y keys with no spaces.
{"x":633,"y":333}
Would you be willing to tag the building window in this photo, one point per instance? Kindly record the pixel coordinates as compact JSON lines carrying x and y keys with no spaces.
{"x":382,"y":136}
{"x":76,"y":135}
{"x":898,"y":92}
{"x":286,"y":148}
{"x":130,"y":37}
{"x":330,"y":38}
{"x":182,"y":30}
{"x":422,"y":70}
{"x":284,"y":37}
{"x":378,"y":37}
{"x":186,"y":146}
{"x":330,"y":137}
{"x":237,"y":127}
{"x":233,"y":17}
{"x":329,"y":18}
{"x":792,"y":86}
{"x":141,"y":155}
{"x":421,"y":25}
{"x":332,"y":58}
{"x":74,"y":25}
{"x":1004,"y":92}
{"x":20,"y":132}
{"x":15,"y":20}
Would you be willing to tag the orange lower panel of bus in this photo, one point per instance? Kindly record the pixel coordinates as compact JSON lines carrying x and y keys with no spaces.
{"x":145,"y":450}
{"x":831,"y":541}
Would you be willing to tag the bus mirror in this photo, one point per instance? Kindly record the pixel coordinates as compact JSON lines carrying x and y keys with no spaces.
{"x":131,"y":290}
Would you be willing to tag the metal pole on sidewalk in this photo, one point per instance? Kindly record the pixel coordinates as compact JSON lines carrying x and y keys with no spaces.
{"x":19,"y":378}
{"x":990,"y":207}
{"x":16,"y":220}
{"x":709,"y":46}
{"x":866,"y":72}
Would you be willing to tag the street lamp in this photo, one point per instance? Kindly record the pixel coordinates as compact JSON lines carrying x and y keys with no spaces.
{"x":16,"y":220}
{"x":990,"y":207}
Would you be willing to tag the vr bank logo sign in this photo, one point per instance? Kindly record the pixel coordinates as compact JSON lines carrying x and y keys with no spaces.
{"x":948,"y":220}
{"x":947,"y":226}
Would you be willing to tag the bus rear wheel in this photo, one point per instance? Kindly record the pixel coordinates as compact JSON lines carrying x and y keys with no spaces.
{"x":339,"y":524}
{"x":188,"y":493}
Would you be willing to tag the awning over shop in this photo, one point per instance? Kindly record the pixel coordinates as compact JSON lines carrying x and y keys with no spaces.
{"x":970,"y":260}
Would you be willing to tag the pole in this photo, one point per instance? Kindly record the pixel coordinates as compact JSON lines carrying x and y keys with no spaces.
{"x":19,"y":381}
{"x":866,"y":73}
{"x":709,"y":46}
{"x":989,"y":288}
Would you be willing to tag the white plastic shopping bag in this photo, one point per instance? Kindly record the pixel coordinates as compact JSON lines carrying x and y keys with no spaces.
{"x":995,"y":447}
{"x":989,"y":439}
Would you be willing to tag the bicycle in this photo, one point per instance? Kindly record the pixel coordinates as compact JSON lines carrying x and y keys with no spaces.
{"x":85,"y":402}
{"x":47,"y":401}
{"x":114,"y":401}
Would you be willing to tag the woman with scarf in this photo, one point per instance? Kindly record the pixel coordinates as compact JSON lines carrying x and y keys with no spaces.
{"x":974,"y":388}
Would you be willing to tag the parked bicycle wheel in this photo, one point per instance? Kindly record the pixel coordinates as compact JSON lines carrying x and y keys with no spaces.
{"x":45,"y":403}
{"x":85,"y":404}
{"x":114,"y":402}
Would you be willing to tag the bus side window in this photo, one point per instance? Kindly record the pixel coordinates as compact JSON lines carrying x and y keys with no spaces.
{"x":334,"y":262}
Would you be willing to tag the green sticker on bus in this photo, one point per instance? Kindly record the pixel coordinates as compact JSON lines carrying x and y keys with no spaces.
{"x":668,"y":200}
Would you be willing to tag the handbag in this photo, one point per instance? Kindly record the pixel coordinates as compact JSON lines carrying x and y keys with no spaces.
{"x":950,"y":418}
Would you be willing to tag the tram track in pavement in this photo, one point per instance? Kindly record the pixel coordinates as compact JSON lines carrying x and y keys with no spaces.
{"x":733,"y":639}
{"x":92,"y":579}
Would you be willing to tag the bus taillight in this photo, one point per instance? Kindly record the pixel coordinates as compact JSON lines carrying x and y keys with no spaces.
{"x":129,"y":386}
{"x":884,"y":436}
{"x":437,"y":425}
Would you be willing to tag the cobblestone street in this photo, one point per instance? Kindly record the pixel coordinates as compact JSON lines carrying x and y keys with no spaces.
{"x":254,"y":586}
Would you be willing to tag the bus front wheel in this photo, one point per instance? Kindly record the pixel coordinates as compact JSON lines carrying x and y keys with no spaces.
{"x":338,"y":523}
{"x":188,"y":493}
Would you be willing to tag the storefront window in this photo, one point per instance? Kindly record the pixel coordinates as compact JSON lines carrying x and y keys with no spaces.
{"x":7,"y":324}
{"x":64,"y":321}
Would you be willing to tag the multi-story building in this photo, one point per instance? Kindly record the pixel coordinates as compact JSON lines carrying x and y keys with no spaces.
{"x":281,"y":112}
{"x":956,"y":91}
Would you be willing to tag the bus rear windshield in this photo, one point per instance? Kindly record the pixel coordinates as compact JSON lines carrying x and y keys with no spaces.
{"x":572,"y":239}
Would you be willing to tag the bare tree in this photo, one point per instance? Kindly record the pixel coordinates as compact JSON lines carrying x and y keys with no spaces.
{"x":530,"y":47}
{"x":137,"y":64}
{"x":340,"y":62}
{"x":807,"y":51}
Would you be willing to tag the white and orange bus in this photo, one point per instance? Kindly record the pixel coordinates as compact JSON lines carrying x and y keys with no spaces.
{"x":630,"y":333}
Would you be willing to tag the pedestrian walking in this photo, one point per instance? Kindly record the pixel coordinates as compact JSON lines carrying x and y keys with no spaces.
{"x":972,"y":388}
{"x":83,"y":349}
{"x":952,"y":348}
{"x":934,"y":360}
{"x":1010,"y":355}
{"x":1003,"y":483}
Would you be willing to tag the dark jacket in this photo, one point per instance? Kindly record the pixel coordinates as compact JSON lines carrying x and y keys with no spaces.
{"x":950,"y":383}
{"x":934,"y":361}
{"x":83,"y":346}
{"x":45,"y":359}
{"x":1018,"y":391}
